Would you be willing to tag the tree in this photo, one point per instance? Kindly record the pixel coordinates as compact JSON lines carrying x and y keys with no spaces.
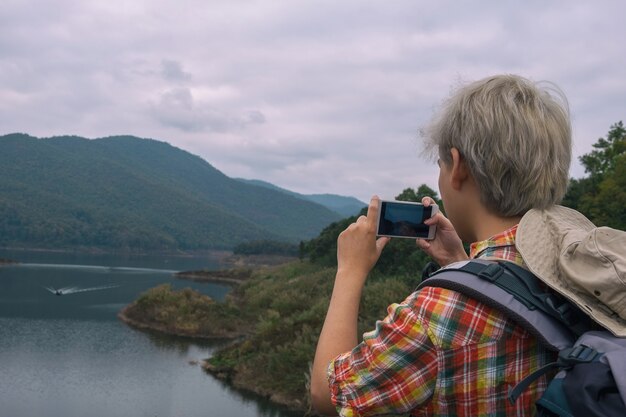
{"x":601,"y":196}
{"x":608,"y":206}
{"x":604,"y":158}
{"x":409,"y":194}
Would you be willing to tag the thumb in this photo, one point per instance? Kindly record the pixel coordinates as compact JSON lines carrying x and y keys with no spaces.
{"x":380,"y":244}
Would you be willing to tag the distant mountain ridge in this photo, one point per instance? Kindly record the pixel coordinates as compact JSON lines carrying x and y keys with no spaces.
{"x":123,"y":192}
{"x":343,"y":205}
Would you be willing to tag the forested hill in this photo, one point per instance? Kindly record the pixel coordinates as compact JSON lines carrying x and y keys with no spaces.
{"x":345,"y":206}
{"x":129,"y":193}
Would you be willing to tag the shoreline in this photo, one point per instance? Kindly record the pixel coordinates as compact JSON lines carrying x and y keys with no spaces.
{"x":224,"y":257}
{"x":227,"y":276}
{"x":164,"y":330}
{"x":236,"y":261}
{"x":230,"y":377}
{"x":240,"y":269}
{"x":220,"y":254}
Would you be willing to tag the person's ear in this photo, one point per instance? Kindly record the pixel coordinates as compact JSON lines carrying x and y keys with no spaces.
{"x":459,"y":172}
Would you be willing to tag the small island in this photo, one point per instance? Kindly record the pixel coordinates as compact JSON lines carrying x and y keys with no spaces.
{"x":185,"y":313}
{"x":7,"y":262}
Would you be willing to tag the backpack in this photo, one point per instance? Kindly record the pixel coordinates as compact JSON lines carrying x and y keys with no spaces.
{"x":591,"y":361}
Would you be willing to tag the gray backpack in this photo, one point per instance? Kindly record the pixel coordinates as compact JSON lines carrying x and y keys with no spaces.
{"x":591,"y":361}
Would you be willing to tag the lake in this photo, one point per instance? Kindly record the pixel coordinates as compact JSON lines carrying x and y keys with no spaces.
{"x":69,"y":355}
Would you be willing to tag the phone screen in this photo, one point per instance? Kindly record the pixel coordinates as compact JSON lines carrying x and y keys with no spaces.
{"x":403,"y":219}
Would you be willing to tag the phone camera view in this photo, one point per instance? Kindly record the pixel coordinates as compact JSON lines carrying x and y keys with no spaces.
{"x":401,"y":219}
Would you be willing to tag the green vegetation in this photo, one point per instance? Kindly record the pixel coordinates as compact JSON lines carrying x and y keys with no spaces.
{"x":185,"y":313}
{"x":137,"y":194}
{"x":601,"y":196}
{"x":287,"y":306}
{"x":266,"y":247}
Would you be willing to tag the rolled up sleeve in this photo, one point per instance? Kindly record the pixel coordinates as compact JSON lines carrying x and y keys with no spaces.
{"x":393,"y":370}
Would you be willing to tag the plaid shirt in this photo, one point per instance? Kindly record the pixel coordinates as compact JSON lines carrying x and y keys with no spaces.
{"x":440,"y":353}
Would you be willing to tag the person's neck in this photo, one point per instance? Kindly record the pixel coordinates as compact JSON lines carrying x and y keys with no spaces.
{"x":490,"y":225}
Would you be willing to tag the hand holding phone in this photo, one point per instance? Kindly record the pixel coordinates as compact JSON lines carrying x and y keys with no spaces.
{"x":447,"y":247}
{"x":358,"y":249}
{"x":405,"y":220}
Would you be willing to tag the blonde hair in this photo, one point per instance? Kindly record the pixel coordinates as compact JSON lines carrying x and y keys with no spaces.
{"x":515,"y":137}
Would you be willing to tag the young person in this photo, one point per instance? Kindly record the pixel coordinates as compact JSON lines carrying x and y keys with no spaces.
{"x":504,"y":147}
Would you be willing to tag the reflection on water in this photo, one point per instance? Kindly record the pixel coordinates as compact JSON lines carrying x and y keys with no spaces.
{"x":65,"y":356}
{"x":180,"y":345}
{"x":184,"y":348}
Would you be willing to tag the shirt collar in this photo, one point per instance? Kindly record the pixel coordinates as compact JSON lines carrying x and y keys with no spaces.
{"x":503,"y":239}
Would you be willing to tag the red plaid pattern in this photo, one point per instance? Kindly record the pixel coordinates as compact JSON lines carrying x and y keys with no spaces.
{"x":501,"y":246}
{"x":440,"y":353}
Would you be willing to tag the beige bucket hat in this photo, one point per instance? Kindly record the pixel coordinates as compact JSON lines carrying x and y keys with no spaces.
{"x":584,"y":263}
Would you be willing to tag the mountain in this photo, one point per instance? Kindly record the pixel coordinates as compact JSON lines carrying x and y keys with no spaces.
{"x":124,"y":192}
{"x":344,"y":206}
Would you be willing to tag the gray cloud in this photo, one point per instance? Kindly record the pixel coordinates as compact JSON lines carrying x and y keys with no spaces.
{"x":318,"y":96}
{"x":173,"y":71}
{"x":177,"y":108}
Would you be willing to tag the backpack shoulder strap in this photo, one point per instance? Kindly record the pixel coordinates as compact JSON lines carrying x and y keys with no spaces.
{"x":500,"y":286}
{"x":526,"y":288}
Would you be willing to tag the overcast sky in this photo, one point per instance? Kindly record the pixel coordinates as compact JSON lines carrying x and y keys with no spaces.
{"x":315,"y":96}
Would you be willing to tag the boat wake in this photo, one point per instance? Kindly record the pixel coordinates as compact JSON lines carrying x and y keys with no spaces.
{"x":74,"y":290}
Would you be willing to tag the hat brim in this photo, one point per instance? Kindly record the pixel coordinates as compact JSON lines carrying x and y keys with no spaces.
{"x":539,"y":240}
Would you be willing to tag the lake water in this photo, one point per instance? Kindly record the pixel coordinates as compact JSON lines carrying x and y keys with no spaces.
{"x":69,"y":355}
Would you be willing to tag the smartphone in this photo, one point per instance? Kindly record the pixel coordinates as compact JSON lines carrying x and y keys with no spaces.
{"x":405,"y":219}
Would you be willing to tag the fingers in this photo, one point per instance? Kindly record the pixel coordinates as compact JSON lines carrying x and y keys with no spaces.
{"x":423,"y":244}
{"x":427,"y":201}
{"x":359,"y":223}
{"x":440,"y":220}
{"x":372,"y":212}
{"x":434,"y":220}
{"x":381,"y":242}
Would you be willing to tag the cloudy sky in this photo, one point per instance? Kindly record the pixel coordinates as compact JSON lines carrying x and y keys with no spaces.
{"x":315,"y":96}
